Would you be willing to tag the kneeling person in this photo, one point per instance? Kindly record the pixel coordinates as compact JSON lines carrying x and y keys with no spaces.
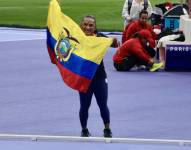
{"x":134,"y":52}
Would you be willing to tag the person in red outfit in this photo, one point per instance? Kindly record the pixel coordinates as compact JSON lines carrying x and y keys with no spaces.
{"x":134,"y":52}
{"x":137,"y":26}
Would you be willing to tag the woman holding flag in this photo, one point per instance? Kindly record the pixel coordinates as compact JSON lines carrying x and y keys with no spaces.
{"x":78,"y":58}
{"x":98,"y":86}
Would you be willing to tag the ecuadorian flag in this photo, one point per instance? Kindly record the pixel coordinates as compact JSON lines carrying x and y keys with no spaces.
{"x":76,"y":55}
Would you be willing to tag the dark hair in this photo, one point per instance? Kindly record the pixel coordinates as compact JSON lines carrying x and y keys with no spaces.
{"x":143,"y":12}
{"x":137,"y":35}
{"x":91,"y":17}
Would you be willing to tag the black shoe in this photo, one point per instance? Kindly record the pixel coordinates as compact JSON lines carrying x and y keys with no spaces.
{"x":107,"y":133}
{"x":85,"y":133}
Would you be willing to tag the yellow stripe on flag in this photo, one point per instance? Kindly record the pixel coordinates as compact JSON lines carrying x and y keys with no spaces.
{"x":90,"y":48}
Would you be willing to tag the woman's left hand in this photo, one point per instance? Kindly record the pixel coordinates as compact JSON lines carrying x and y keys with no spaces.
{"x":115,"y":43}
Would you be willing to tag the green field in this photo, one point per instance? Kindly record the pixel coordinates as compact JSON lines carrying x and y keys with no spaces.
{"x":33,"y":13}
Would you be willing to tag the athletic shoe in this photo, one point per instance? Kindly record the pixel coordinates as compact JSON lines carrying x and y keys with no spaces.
{"x":85,"y":133}
{"x":107,"y":133}
{"x":156,"y":66}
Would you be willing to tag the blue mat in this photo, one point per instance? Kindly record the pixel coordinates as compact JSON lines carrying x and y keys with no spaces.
{"x":34,"y":99}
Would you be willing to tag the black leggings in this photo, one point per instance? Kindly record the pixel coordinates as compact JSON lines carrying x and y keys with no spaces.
{"x":127,"y":64}
{"x":151,"y":51}
{"x":99,"y":88}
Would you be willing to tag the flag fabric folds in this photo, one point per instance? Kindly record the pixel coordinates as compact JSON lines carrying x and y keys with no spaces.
{"x":76,"y":55}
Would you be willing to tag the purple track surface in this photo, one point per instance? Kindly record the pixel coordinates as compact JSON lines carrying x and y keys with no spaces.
{"x":26,"y":145}
{"x":35,"y":100}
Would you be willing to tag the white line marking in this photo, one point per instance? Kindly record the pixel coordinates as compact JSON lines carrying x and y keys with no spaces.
{"x":93,"y":139}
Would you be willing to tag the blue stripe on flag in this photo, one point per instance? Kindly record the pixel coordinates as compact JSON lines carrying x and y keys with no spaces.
{"x":76,"y":64}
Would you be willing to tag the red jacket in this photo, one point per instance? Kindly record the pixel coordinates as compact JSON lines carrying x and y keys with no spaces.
{"x":132,"y":47}
{"x":146,"y":34}
{"x":136,"y":26}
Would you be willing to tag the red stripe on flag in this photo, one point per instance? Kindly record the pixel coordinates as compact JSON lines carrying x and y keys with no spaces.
{"x":52,"y":55}
{"x":73,"y":80}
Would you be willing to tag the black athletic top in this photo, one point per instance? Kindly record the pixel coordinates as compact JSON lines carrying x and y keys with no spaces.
{"x":100,"y":73}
